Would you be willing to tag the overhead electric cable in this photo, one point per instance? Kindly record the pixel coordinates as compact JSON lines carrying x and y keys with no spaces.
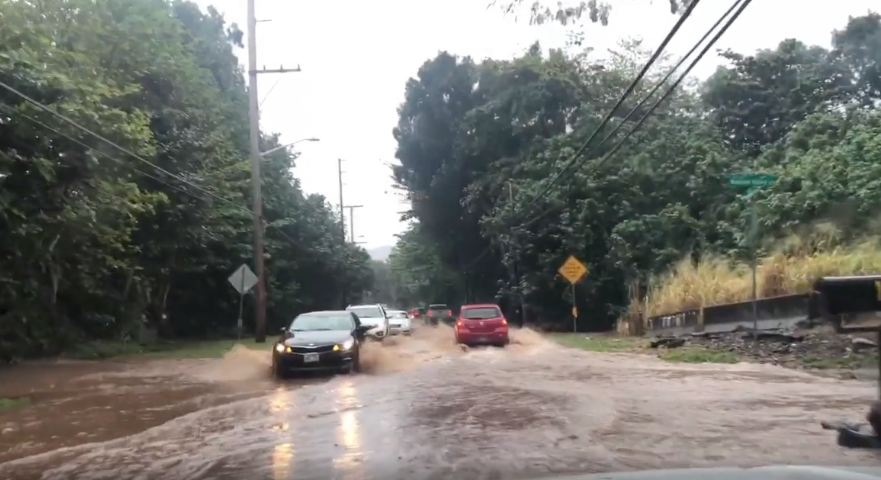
{"x":685,"y":15}
{"x":244,"y":210}
{"x":608,"y":117}
{"x":52,"y":111}
{"x":742,"y":4}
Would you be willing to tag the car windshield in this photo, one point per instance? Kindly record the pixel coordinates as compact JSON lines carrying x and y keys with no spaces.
{"x":438,"y":307}
{"x":399,"y":315}
{"x":481,"y":313}
{"x":312,"y":322}
{"x":367,"y":312}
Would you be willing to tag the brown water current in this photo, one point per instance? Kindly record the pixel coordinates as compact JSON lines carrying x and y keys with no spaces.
{"x":423,"y":409}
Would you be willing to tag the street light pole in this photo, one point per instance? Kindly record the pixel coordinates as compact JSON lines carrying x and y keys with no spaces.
{"x":273,"y":150}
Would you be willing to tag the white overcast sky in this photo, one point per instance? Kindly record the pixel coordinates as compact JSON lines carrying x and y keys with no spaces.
{"x":357,"y":55}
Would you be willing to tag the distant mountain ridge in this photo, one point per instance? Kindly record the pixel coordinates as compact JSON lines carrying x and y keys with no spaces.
{"x":380,"y":253}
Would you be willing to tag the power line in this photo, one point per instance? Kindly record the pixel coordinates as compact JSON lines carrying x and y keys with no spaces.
{"x":270,"y":91}
{"x":630,"y":89}
{"x":45,"y":108}
{"x":670,"y":73}
{"x":11,"y":111}
{"x":606,"y":119}
{"x":742,"y":6}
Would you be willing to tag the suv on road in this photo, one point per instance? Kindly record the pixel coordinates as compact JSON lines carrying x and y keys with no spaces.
{"x":373,"y":315}
{"x":439,"y":312}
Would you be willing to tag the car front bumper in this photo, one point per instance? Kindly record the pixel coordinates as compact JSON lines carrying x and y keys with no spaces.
{"x":399,"y":329}
{"x":483,"y":338}
{"x":378,"y":332}
{"x":296,"y":362}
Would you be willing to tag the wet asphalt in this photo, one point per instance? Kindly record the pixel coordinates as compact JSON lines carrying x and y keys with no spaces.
{"x":424,"y":409}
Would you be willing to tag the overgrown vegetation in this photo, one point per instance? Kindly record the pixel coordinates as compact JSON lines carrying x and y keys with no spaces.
{"x":601,"y":344}
{"x":96,"y":242}
{"x":10,"y":404}
{"x":792,"y":267}
{"x":478,"y":142}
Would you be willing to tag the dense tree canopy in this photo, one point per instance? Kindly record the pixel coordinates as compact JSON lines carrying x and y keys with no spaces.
{"x":477,"y":141}
{"x":568,"y":12}
{"x":99,"y":238}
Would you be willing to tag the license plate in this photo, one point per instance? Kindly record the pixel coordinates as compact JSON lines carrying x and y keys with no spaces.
{"x":310,"y":357}
{"x":483,"y":339}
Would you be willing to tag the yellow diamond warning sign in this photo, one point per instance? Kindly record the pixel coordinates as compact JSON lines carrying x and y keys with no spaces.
{"x":572,"y":269}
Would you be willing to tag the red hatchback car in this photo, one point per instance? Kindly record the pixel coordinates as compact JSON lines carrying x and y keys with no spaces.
{"x":481,"y":324}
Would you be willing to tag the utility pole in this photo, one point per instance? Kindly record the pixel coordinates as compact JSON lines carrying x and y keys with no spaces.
{"x":254,"y":113}
{"x":344,"y":293}
{"x":352,"y":221}
{"x":342,"y":213}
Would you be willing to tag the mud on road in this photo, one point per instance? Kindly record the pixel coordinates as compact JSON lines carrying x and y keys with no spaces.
{"x":424,"y":409}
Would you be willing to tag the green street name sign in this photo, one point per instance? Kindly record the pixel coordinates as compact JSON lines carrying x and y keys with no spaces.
{"x":752,"y":179}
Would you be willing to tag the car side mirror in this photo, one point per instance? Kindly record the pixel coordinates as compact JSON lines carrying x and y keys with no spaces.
{"x":360,"y":331}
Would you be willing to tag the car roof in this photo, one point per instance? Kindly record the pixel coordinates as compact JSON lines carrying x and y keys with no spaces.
{"x":481,"y":305}
{"x":437,"y":305}
{"x":326,"y":313}
{"x":367,"y":305}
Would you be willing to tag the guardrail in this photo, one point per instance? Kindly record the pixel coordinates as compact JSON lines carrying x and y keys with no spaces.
{"x":773,"y":312}
{"x":680,"y":322}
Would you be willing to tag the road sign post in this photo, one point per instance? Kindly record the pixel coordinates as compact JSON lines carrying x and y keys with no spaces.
{"x":572,"y":270}
{"x":243,"y":280}
{"x":753,"y":182}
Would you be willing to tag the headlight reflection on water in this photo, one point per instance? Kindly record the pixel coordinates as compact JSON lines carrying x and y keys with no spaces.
{"x":347,"y":461}
{"x":349,"y":434}
{"x":282,"y":458}
{"x":281,"y":402}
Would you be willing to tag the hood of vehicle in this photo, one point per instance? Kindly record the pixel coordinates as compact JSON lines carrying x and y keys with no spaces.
{"x":320,"y":337}
{"x":783,"y":472}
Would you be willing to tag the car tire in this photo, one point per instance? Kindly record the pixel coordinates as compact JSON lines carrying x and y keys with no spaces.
{"x":277,"y":371}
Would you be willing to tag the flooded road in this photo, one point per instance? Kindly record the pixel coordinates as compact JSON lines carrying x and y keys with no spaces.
{"x":425,"y":409}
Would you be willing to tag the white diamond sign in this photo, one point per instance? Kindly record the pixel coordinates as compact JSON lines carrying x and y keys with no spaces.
{"x":243,"y":279}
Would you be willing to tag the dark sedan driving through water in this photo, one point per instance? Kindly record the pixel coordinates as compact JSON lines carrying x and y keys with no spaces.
{"x":329,"y":340}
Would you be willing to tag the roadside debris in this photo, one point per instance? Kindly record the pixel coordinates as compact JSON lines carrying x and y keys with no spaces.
{"x":817,"y":348}
{"x":667,"y":342}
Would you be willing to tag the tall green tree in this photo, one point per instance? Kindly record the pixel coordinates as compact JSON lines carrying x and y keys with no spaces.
{"x":478,"y":143}
{"x":102,"y":237}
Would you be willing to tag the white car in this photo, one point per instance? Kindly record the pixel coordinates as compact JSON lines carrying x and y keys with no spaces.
{"x":399,"y":322}
{"x":373,"y":315}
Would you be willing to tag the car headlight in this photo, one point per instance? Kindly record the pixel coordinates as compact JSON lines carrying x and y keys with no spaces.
{"x":280,"y":348}
{"x":345,"y":345}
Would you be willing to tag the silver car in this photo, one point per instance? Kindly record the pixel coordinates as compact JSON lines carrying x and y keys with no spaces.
{"x":374,"y":316}
{"x":399,"y":322}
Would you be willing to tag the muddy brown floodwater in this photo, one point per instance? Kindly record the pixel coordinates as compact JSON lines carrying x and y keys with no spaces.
{"x":423,"y":410}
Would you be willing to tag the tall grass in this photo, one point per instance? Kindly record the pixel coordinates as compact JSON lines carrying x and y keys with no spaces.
{"x":791,"y":267}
